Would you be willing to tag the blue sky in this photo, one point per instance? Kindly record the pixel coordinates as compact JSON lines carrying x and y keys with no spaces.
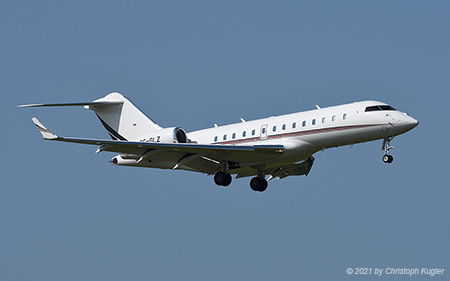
{"x":67,"y":214}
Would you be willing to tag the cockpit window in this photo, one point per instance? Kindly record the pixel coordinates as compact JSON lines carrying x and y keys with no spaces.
{"x":373,"y":108}
{"x":379,"y":108}
{"x":387,"y":107}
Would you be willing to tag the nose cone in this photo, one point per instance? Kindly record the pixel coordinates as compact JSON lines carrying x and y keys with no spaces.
{"x":407,"y":123}
{"x":414,"y":123}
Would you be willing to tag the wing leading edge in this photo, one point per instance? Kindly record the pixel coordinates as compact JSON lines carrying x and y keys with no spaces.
{"x":205,"y":158}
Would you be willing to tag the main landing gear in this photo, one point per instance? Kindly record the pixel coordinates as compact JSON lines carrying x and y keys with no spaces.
{"x":258,"y":183}
{"x":222,"y":179}
{"x":387,"y":158}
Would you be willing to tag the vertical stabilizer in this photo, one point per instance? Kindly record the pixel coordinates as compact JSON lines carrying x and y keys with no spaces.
{"x":121,"y":118}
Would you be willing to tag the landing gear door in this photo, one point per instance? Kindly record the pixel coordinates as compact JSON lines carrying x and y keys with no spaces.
{"x":263,"y":134}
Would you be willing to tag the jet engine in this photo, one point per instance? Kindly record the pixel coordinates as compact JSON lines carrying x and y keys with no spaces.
{"x":168,"y":135}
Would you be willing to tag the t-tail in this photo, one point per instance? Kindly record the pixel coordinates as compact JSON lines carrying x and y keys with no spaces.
{"x":120,"y":117}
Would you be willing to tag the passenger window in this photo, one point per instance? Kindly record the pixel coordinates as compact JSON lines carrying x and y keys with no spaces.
{"x":263,"y":131}
{"x":333,"y":118}
{"x":294,"y":125}
{"x":303,"y":123}
{"x":253,"y":132}
{"x":344,"y":116}
{"x":274,"y":129}
{"x":244,"y":133}
{"x":314,"y":121}
{"x":284,"y":127}
{"x":324,"y":119}
{"x":224,"y":137}
{"x":216,"y":139}
{"x":234,"y":135}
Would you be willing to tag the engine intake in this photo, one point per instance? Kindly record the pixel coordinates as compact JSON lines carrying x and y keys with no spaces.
{"x":168,"y":135}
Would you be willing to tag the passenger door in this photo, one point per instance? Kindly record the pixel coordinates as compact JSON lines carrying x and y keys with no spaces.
{"x":263,"y":134}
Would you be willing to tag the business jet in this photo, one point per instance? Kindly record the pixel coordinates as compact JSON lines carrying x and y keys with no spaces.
{"x":277,"y":147}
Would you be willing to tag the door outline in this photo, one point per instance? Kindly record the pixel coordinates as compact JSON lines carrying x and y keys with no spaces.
{"x":263,"y":132}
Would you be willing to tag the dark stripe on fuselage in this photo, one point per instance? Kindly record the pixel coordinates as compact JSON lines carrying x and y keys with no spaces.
{"x":114,"y":135}
{"x":298,"y":133}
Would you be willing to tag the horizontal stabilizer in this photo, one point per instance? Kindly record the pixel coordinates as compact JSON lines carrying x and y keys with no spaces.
{"x":46,"y":133}
{"x":102,"y":103}
{"x":120,"y":117}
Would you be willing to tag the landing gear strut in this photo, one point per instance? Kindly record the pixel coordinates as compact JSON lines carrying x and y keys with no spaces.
{"x":222,"y":178}
{"x":258,"y":184}
{"x":387,"y":158}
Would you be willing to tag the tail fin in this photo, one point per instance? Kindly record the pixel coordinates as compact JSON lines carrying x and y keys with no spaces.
{"x":120,"y":117}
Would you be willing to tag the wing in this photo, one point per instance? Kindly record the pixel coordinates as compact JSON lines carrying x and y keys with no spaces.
{"x":205,"y":158}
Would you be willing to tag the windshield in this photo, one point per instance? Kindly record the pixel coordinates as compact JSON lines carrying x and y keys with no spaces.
{"x":379,"y":108}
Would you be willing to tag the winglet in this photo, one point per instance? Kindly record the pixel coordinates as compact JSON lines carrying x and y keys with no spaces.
{"x":46,"y":133}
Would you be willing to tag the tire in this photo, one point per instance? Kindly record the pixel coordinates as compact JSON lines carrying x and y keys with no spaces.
{"x":388,"y":158}
{"x":391,"y":158}
{"x":222,"y":179}
{"x":219,"y":178}
{"x":258,"y":184}
{"x":228,"y":180}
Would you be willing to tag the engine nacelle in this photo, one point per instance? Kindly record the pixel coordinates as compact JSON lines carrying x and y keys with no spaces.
{"x":168,"y":135}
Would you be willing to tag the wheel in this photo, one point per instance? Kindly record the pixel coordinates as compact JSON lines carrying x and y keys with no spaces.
{"x":391,"y":158}
{"x":258,"y":184}
{"x":228,"y":180}
{"x":222,"y":178}
{"x":219,"y":178}
{"x":388,"y":158}
{"x":264,"y":185}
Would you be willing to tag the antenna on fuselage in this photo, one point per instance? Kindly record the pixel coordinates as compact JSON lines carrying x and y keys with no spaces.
{"x":318,"y":107}
{"x":242,"y":120}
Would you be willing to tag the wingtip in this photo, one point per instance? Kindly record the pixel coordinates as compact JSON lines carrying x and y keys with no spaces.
{"x":30,"y":105}
{"x":46,"y":133}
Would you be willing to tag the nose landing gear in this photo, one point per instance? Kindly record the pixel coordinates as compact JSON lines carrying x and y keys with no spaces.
{"x":387,"y":158}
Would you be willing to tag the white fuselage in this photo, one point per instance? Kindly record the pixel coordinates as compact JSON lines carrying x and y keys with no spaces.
{"x":304,"y":133}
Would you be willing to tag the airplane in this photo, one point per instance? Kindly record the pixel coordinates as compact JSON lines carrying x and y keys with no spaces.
{"x":278,"y":146}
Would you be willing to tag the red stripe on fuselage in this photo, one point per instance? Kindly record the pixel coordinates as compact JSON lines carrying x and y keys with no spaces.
{"x":298,"y":133}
